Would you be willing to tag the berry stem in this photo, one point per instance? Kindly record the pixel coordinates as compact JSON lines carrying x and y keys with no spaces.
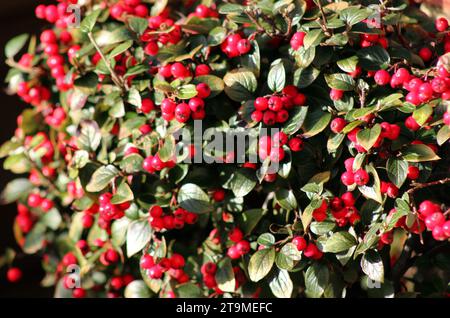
{"x":115,"y":78}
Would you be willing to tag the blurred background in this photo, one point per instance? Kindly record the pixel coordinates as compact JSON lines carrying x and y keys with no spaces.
{"x":16,"y":17}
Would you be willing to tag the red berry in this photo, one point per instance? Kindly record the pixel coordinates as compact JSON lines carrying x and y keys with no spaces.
{"x":297,"y":40}
{"x":203,"y":90}
{"x":177,"y":261}
{"x":299,"y":242}
{"x":261,"y":103}
{"x":79,"y":293}
{"x":236,"y":235}
{"x":361,"y":177}
{"x":337,"y":125}
{"x":347,"y":178}
{"x":382,"y":77}
{"x":244,"y":46}
{"x":336,"y":94}
{"x":426,"y":54}
{"x":243,"y":247}
{"x":14,"y":275}
{"x":413,"y":172}
{"x":233,"y":252}
{"x":296,"y":144}
{"x":441,"y":24}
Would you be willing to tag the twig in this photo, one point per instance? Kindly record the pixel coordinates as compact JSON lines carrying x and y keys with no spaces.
{"x":417,"y":186}
{"x":115,"y":78}
{"x":324,"y":19}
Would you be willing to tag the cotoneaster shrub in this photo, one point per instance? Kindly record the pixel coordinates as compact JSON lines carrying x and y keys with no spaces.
{"x":359,"y":91}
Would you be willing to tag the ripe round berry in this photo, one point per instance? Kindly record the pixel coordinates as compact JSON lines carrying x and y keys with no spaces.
{"x":297,"y":40}
{"x":347,"y":178}
{"x":441,"y":24}
{"x":236,"y":235}
{"x":178,"y":70}
{"x":336,"y":94}
{"x":196,"y":104}
{"x":233,"y":252}
{"x":243,"y":247}
{"x":337,"y":125}
{"x":151,"y":48}
{"x":348,"y":199}
{"x":269,"y":118}
{"x":219,"y":195}
{"x":382,"y":77}
{"x":79,"y":293}
{"x":244,"y":46}
{"x":182,"y":112}
{"x":202,"y":69}
{"x":427,"y":208}
{"x":14,"y":275}
{"x":261,"y":103}
{"x":296,"y":144}
{"x":426,"y":54}
{"x":435,"y":219}
{"x":177,"y":261}
{"x":275,"y":103}
{"x":147,"y":106}
{"x":361,"y":177}
{"x":203,"y":90}
{"x":411,"y":123}
{"x":299,"y":242}
{"x":413,"y":172}
{"x":155,"y":272}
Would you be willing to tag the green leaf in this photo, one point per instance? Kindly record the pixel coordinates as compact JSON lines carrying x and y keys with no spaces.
{"x":315,"y":122}
{"x":303,"y":77}
{"x":339,"y":242}
{"x":34,"y":240}
{"x":89,"y":136}
{"x":15,"y":189}
{"x":316,"y":280}
{"x":296,"y":120}
{"x":419,"y":153}
{"x":119,"y":231}
{"x":422,"y":113}
{"x":15,"y":45}
{"x":231,"y":8}
{"x":277,"y":76}
{"x":313,"y":38}
{"x":225,"y":276}
{"x":260,"y":264}
{"x":216,"y":36}
{"x":349,"y":64}
{"x":369,"y":136}
{"x":240,"y":84}
{"x":101,"y":178}
{"x":134,"y":97}
{"x":266,"y":239}
{"x":341,"y":81}
{"x":286,"y":199}
{"x":188,"y":290}
{"x":353,"y":15}
{"x":131,"y":163}
{"x":397,"y":170}
{"x":281,"y":284}
{"x":186,"y":91}
{"x":167,"y":151}
{"x":88,"y":23}
{"x":373,"y":58}
{"x":443,"y":135}
{"x":372,"y":190}
{"x":123,"y":194}
{"x":242,"y":182}
{"x":139,"y":234}
{"x":137,"y":289}
{"x":372,"y":266}
{"x":138,"y":25}
{"x":249,"y":219}
{"x":193,"y":199}
{"x":288,"y":256}
{"x":52,"y":219}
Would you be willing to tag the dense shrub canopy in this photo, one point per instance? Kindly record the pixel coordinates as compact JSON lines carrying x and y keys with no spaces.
{"x":338,"y":196}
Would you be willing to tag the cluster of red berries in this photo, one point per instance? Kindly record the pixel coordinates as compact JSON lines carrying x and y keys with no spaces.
{"x":234,"y":45}
{"x":33,"y":95}
{"x":107,"y":210}
{"x":24,"y":218}
{"x":60,"y":15}
{"x":209,"y":271}
{"x":174,"y":220}
{"x":151,"y":164}
{"x":240,"y":246}
{"x":371,"y":39}
{"x":128,"y":7}
{"x":274,"y":109}
{"x":117,"y":283}
{"x":35,"y":200}
{"x":309,"y":249}
{"x":158,"y":32}
{"x":435,"y":220}
{"x":173,"y":266}
{"x":350,"y":177}
{"x":343,"y":209}
{"x":203,"y":11}
{"x":183,"y":111}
